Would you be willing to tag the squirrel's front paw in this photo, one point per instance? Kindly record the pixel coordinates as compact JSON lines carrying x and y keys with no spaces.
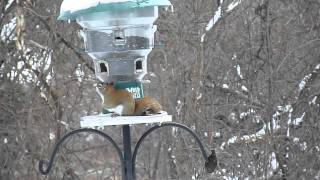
{"x":115,"y":115}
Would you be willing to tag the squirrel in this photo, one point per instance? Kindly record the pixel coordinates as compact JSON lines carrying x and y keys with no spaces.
{"x":121,"y":102}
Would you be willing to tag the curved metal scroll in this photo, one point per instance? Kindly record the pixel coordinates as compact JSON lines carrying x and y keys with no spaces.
{"x":203,"y":151}
{"x":56,"y":149}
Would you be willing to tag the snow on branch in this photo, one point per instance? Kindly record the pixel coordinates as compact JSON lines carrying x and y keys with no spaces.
{"x":218,"y":15}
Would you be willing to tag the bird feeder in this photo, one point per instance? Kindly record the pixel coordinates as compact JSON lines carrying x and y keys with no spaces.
{"x":118,"y":34}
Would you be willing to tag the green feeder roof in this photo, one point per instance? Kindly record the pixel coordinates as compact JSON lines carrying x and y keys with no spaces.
{"x":70,"y":9}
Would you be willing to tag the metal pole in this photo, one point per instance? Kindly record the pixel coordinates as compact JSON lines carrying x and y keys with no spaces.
{"x":127,"y":153}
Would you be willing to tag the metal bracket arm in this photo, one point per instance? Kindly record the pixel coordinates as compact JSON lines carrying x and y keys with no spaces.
{"x":49,"y":164}
{"x":210,"y":161}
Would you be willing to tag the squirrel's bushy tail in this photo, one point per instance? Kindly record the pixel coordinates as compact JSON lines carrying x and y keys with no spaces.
{"x":147,"y":105}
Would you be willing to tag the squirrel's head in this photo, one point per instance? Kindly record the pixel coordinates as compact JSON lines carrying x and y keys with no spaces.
{"x":105,"y":87}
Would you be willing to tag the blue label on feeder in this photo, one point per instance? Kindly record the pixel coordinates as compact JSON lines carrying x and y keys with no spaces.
{"x":135,"y":91}
{"x":132,"y":86}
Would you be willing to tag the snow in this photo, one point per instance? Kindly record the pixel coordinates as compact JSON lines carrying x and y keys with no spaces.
{"x":275,"y":121}
{"x":225,"y":86}
{"x":296,"y":121}
{"x":79,"y":73}
{"x":202,"y":37}
{"x":40,"y":61}
{"x":230,"y":178}
{"x":244,"y":114}
{"x":70,"y":5}
{"x":296,"y":140}
{"x":51,"y":136}
{"x":65,"y":124}
{"x":233,"y":117}
{"x":217,"y":134}
{"x":222,"y":145}
{"x":252,"y":137}
{"x":179,"y":107}
{"x":238,"y":68}
{"x":43,"y":95}
{"x":205,"y":134}
{"x":90,"y":137}
{"x":244,"y":88}
{"x":303,"y":146}
{"x":199,"y":96}
{"x":233,"y":5}
{"x":303,"y":82}
{"x":214,"y":20}
{"x":100,"y":94}
{"x":217,"y":16}
{"x":299,"y":120}
{"x":274,"y":163}
{"x":313,"y":101}
{"x":171,"y":8}
{"x":9,"y":4}
{"x":232,"y":140}
{"x":152,"y":74}
{"x":37,"y":62}
{"x":234,"y":57}
{"x":285,"y":109}
{"x":7,"y":29}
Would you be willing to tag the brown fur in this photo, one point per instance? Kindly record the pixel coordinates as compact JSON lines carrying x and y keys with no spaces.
{"x":115,"y":97}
